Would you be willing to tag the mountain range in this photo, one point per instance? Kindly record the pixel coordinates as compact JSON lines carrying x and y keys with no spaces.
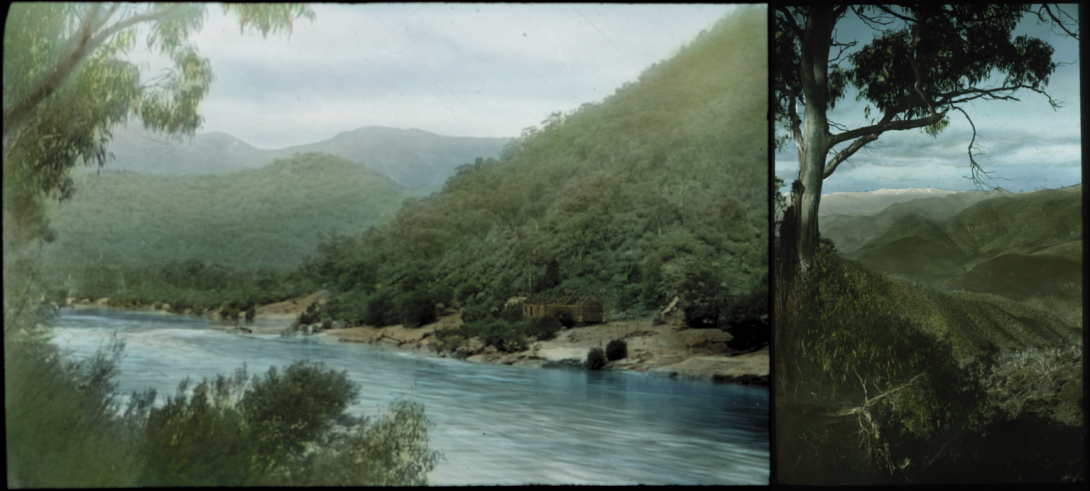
{"x":1026,"y":247}
{"x":417,"y":160}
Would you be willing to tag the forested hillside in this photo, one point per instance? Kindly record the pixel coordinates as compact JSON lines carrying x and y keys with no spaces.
{"x":659,"y":190}
{"x":269,"y":218}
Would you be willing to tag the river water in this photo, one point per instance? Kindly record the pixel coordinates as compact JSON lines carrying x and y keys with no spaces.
{"x":494,"y":424}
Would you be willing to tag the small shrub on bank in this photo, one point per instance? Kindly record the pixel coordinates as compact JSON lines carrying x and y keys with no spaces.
{"x":596,"y":359}
{"x":495,"y":332}
{"x":616,"y":350}
{"x":541,"y":328}
{"x":309,"y":316}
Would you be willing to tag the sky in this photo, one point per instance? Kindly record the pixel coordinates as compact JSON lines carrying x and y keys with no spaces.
{"x":483,"y":70}
{"x":1026,"y":145}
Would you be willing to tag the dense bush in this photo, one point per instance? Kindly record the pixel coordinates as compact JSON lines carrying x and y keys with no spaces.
{"x":380,"y":307}
{"x":616,"y":349}
{"x":415,"y":308}
{"x":279,"y":430}
{"x":66,"y":426}
{"x":495,"y":332}
{"x":596,"y":359}
{"x":541,"y":328}
{"x":309,"y":316}
{"x":848,"y":331}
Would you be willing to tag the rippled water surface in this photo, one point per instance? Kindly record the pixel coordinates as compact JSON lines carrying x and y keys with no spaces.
{"x":493,"y":424}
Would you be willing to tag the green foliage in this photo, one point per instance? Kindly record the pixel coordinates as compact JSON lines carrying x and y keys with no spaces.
{"x":67,"y":84}
{"x":616,"y":349}
{"x":596,"y":359}
{"x":191,"y":285}
{"x":198,"y":438}
{"x":498,"y":333}
{"x":415,"y":308}
{"x":285,"y":410}
{"x":61,"y":418}
{"x":851,"y":334}
{"x":285,"y":428}
{"x":541,"y":328}
{"x":448,"y":340}
{"x":309,"y":316}
{"x":380,"y":308}
{"x":392,"y":451}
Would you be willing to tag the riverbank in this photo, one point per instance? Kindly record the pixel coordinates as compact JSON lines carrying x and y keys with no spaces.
{"x":671,"y":348}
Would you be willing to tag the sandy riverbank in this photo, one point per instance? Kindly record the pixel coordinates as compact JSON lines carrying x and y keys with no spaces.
{"x":670,"y":348}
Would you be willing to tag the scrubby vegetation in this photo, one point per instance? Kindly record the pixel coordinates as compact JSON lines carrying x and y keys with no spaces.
{"x":596,"y":359}
{"x":68,"y":427}
{"x":616,"y":349}
{"x":876,"y":392}
{"x":189,"y":286}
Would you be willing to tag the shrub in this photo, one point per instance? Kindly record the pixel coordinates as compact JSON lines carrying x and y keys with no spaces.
{"x":279,"y":430}
{"x":415,"y":308}
{"x":616,"y":350}
{"x":380,"y":306}
{"x":448,"y":340}
{"x":596,"y":359}
{"x":309,"y":316}
{"x":287,"y":409}
{"x":541,"y":328}
{"x":394,"y":451}
{"x":495,"y":332}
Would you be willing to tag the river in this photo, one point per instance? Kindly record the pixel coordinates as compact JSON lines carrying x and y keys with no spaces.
{"x":494,"y":424}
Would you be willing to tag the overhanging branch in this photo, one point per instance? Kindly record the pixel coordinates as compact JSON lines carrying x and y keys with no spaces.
{"x":84,"y":44}
{"x":841,"y":156}
{"x":884,"y":126}
{"x":978,"y":172}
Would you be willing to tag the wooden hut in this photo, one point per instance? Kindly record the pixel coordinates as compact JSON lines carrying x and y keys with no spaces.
{"x":581,"y":309}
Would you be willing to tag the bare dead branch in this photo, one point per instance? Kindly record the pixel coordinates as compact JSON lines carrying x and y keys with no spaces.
{"x":978,"y":172}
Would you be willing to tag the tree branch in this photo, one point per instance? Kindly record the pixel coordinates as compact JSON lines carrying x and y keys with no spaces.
{"x":790,"y":22}
{"x":83,"y":46}
{"x":899,"y":16}
{"x":975,"y":168}
{"x":840,"y":157}
{"x":886,"y":125}
{"x":1057,"y":20}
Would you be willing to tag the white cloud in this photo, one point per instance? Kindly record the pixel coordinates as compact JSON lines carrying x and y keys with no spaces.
{"x":456,"y":69}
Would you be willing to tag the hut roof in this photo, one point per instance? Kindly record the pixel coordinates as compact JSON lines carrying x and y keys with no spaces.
{"x":547,"y":298}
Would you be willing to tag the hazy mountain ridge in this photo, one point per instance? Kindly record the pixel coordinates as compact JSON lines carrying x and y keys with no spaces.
{"x":417,"y":160}
{"x":1025,"y":247}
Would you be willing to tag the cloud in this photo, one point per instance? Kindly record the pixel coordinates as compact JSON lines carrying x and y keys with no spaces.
{"x":456,"y":69}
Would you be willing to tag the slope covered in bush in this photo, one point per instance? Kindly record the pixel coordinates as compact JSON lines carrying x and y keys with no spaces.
{"x":659,"y":190}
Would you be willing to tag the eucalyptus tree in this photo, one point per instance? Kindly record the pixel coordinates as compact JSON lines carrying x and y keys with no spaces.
{"x":926,"y":63}
{"x":67,"y":84}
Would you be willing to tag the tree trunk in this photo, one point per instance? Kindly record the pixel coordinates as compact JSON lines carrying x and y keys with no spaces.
{"x":815,"y":145}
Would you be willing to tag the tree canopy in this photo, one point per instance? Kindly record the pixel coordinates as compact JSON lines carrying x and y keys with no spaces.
{"x":924,"y":63}
{"x":67,"y":83}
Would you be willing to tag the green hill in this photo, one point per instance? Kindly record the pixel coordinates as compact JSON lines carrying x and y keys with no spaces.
{"x":659,"y":190}
{"x":270,"y":218}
